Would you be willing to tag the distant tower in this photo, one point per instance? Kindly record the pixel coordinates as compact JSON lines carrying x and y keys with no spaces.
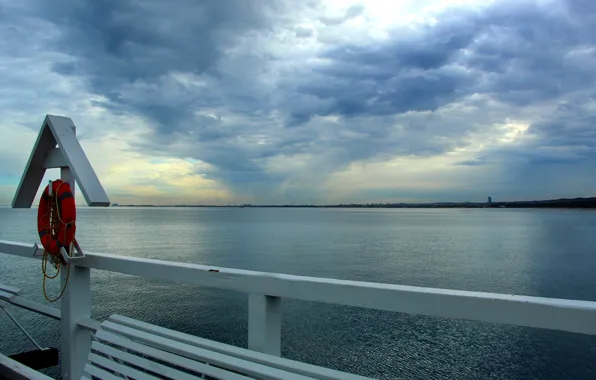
{"x":490,"y":200}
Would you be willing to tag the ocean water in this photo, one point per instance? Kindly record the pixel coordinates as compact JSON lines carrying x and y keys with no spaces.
{"x":549,"y":253}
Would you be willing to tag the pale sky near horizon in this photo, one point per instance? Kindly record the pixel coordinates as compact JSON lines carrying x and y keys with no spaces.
{"x":281,"y":101}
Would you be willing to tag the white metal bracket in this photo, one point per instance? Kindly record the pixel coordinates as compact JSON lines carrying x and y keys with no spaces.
{"x":58,"y":147}
{"x":75,"y":248}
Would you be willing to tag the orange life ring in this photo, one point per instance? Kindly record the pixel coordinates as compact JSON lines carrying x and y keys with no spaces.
{"x":56,"y":218}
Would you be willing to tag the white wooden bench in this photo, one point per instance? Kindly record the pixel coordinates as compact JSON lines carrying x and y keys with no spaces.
{"x":126,"y":347}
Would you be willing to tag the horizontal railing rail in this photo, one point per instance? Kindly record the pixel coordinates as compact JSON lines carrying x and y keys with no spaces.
{"x":267,"y":289}
{"x":550,"y":313}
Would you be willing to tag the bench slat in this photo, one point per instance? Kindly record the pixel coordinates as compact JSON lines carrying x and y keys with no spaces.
{"x":120,"y":368}
{"x":10,"y":289}
{"x":5,"y":296}
{"x":250,"y":368}
{"x":169,"y":357}
{"x":238,"y":352}
{"x":149,"y":365}
{"x":101,"y":373}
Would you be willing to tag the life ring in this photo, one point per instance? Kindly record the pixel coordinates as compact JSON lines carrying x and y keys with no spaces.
{"x":56,"y":217}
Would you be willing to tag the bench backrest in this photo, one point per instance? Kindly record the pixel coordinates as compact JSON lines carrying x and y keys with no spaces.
{"x":141,"y":350}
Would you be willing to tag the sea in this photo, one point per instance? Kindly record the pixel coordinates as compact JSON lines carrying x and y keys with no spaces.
{"x":534,"y":252}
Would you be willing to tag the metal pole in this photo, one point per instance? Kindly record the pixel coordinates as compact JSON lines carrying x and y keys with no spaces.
{"x":21,"y":328}
{"x":74,"y":305}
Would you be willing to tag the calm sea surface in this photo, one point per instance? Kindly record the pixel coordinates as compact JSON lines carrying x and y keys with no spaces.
{"x":549,"y":253}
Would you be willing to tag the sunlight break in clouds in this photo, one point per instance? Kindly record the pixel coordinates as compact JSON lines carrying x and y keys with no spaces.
{"x":280,"y":101}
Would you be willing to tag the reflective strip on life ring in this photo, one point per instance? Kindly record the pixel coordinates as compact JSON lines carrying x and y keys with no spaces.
{"x":65,"y":229}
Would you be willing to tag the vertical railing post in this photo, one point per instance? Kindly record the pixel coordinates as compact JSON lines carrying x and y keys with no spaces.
{"x":75,"y":304}
{"x":264,"y":324}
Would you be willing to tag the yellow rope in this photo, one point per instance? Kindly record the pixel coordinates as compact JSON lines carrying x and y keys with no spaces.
{"x":63,"y":288}
{"x":55,"y":210}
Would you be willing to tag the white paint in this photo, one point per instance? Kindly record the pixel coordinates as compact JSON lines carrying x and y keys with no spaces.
{"x":120,"y":368}
{"x":549,"y":313}
{"x":223,"y":361}
{"x":20,"y":249}
{"x":75,"y":305}
{"x":12,"y":369}
{"x":34,"y":170}
{"x":49,"y":311}
{"x":264,"y":324}
{"x":59,"y":130}
{"x":55,"y":159}
{"x":237,"y":352}
{"x":67,"y":176}
{"x":5,"y":296}
{"x":126,"y":357}
{"x":168,"y":357}
{"x":557,"y":314}
{"x":76,"y":300}
{"x":89,"y":324}
{"x":10,"y":289}
{"x":36,"y":307}
{"x":100,"y":373}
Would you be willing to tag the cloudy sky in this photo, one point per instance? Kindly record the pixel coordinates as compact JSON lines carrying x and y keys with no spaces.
{"x":332,"y":101}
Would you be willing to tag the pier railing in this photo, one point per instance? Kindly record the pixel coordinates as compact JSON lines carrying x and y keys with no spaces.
{"x":266,"y":291}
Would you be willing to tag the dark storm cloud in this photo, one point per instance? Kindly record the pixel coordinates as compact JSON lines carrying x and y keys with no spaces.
{"x":556,"y":155}
{"x":415,"y":93}
{"x":122,"y":44}
{"x":125,"y":41}
{"x":517,"y":51}
{"x":573,"y":126}
{"x":424,"y":48}
{"x":127,"y":51}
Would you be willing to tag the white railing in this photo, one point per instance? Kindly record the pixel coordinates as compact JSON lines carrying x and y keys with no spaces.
{"x":267,"y":289}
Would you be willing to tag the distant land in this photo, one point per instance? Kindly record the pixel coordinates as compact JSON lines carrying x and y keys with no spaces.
{"x":551,"y":203}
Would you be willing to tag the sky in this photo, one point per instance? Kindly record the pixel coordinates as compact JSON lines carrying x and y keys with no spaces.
{"x":307,"y":102}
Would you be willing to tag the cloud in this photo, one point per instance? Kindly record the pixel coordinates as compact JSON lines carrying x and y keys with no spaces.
{"x":283,"y":101}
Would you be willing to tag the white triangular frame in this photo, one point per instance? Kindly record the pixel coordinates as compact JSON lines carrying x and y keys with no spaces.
{"x":57,"y":146}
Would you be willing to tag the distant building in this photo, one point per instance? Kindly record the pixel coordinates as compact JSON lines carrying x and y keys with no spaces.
{"x":490,"y":200}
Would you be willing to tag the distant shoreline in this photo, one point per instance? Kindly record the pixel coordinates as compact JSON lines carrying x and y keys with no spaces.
{"x":554,"y":203}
